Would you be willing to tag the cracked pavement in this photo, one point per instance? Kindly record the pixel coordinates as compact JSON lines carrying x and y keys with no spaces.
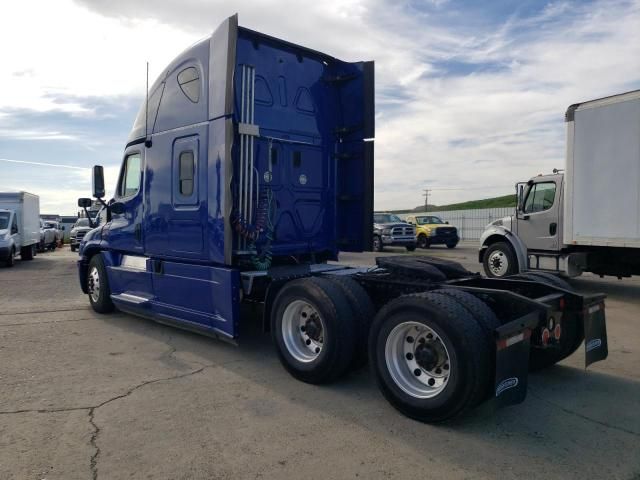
{"x":87,"y":396}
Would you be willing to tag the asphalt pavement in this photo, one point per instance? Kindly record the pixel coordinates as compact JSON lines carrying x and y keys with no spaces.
{"x":86,"y":396}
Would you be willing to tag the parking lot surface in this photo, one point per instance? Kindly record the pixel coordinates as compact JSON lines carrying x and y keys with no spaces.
{"x":114,"y":396}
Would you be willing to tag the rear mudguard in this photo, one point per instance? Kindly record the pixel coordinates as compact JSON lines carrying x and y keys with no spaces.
{"x":513,"y":344}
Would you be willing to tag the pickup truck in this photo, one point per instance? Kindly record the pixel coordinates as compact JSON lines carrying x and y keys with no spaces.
{"x":391,"y":231}
{"x":432,"y":230}
{"x":78,"y":231}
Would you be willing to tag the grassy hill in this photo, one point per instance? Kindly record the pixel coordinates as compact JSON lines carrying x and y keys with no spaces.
{"x":495,"y":202}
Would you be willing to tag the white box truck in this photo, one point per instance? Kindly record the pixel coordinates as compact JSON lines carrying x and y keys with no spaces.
{"x":19,"y":226}
{"x":587,"y":218}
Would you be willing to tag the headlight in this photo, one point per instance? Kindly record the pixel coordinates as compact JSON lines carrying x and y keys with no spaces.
{"x":386,"y":231}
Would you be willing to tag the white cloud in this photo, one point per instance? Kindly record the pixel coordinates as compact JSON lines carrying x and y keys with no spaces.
{"x":437,"y":127}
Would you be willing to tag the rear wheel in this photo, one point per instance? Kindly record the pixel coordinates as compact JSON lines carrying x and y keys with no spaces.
{"x":452,"y":245}
{"x":499,"y":260}
{"x":363,"y":313}
{"x":313,"y":329}
{"x":429,"y":356}
{"x":98,"y":286}
{"x":27,"y":253}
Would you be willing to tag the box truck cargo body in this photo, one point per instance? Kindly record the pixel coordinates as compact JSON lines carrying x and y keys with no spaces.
{"x":19,"y":225}
{"x":250,"y":168}
{"x":602,"y":176}
{"x":587,"y":218}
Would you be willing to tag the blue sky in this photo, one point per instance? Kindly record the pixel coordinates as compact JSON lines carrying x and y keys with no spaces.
{"x":470,"y":95}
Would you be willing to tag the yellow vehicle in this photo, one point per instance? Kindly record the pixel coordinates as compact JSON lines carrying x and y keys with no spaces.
{"x":431,"y":230}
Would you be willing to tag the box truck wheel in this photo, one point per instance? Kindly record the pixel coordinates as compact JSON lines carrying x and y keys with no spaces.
{"x":313,"y":327}
{"x":363,"y":313}
{"x":98,"y":286}
{"x":11,"y":258}
{"x":429,"y":356}
{"x":499,"y":260}
{"x":572,"y":327}
{"x":27,"y":253}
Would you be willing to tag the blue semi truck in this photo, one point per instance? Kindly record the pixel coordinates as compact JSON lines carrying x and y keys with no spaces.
{"x":248,"y":169}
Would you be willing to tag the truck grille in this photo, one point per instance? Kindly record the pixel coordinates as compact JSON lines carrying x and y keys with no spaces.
{"x":446,"y":231}
{"x":79,"y":235}
{"x":398,"y":231}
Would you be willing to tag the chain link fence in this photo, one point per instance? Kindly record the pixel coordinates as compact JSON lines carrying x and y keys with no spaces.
{"x":470,"y":223}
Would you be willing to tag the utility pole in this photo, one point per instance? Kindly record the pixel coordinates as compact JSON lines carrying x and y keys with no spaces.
{"x":426,"y":194}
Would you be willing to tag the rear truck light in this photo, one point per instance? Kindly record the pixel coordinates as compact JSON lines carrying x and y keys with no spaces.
{"x":544,"y":338}
{"x":557,"y":332}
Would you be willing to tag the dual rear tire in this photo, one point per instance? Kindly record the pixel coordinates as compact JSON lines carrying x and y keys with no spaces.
{"x":432,"y":353}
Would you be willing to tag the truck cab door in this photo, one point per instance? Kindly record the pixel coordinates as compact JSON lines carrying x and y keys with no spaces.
{"x":125,"y":233}
{"x":538,"y":219}
{"x":15,"y":232}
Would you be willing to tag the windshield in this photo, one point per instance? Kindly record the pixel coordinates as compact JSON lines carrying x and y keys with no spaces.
{"x":386,"y":218}
{"x":83,"y":222}
{"x":430,"y":220}
{"x":4,"y":220}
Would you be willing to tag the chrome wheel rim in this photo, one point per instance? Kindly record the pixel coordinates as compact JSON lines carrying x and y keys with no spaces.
{"x":417,"y":360}
{"x":498,"y":263}
{"x":94,"y":284}
{"x":303,"y":331}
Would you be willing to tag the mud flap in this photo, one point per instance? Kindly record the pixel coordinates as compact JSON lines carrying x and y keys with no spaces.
{"x":513,"y":344}
{"x":595,"y":333}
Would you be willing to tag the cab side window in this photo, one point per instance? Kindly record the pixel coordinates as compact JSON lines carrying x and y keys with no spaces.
{"x":540,"y":197}
{"x":186,"y":172}
{"x":130,"y":176}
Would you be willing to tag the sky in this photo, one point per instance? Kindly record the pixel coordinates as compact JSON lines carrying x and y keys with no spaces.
{"x":470,"y":95}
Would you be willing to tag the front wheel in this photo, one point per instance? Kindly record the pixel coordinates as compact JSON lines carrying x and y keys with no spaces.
{"x":430,"y":357}
{"x":98,"y":286}
{"x":452,"y":245}
{"x":11,"y":258}
{"x":73,"y":248}
{"x":410,"y":248}
{"x":423,"y":241}
{"x":499,"y":261}
{"x":377,"y":243}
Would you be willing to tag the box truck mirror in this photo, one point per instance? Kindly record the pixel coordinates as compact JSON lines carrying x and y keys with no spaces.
{"x":98,"y":181}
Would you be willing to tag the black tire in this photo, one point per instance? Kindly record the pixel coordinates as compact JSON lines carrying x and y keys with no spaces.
{"x":572,"y":327}
{"x":73,"y":248}
{"x":551,"y":279}
{"x":506,"y":254}
{"x":363,"y":313}
{"x":463,"y":338}
{"x":423,"y":241}
{"x":452,"y":245}
{"x":26,"y":253}
{"x":11,"y":260}
{"x":485,"y":317}
{"x":377,"y":244}
{"x":102,"y":302}
{"x":328,"y":300}
{"x":410,"y":248}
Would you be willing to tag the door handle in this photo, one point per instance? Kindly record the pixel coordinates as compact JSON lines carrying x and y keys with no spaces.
{"x":553,"y":228}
